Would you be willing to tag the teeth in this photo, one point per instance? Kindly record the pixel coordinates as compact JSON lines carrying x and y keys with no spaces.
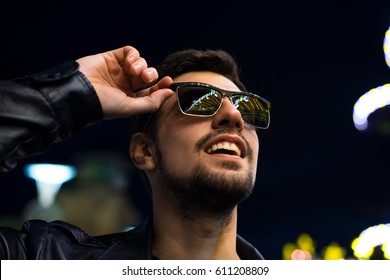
{"x":225,"y":146}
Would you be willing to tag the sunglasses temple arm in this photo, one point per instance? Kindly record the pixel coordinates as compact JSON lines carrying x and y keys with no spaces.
{"x":138,"y":90}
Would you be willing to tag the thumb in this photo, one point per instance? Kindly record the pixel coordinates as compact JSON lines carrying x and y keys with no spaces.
{"x":146,"y":104}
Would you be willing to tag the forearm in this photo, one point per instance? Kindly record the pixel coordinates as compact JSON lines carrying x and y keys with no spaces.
{"x":40,"y":109}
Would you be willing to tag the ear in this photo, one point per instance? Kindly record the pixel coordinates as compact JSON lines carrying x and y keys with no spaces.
{"x":140,"y":151}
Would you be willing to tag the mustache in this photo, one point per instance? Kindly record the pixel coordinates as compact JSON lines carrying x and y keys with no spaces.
{"x":206,"y":138}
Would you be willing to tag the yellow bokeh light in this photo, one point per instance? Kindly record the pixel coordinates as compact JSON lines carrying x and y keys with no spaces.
{"x":287,"y":250}
{"x":306,"y":243}
{"x":334,"y":252}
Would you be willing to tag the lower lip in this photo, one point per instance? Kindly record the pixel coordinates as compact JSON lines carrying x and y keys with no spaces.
{"x":226,"y":156}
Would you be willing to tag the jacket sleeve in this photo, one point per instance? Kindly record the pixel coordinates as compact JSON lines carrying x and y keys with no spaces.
{"x":43,"y":108}
{"x":43,"y":240}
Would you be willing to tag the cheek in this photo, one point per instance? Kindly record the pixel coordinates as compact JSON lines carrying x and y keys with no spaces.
{"x":253,"y":141}
{"x":256,"y":150}
{"x":176,"y":150}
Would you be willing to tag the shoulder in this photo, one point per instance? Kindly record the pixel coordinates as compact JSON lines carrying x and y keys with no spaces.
{"x":57,"y":229}
{"x":62,"y":240}
{"x":39,"y":239}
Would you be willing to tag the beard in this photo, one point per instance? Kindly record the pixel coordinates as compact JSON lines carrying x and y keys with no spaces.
{"x":206,"y":193}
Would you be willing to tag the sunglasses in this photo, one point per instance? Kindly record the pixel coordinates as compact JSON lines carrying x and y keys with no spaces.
{"x":204,"y":100}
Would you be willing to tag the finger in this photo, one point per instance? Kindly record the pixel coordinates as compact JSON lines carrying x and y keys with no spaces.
{"x":131,"y":54}
{"x":165,"y":82}
{"x":138,"y":66}
{"x":125,"y":57}
{"x":145,"y":81}
{"x":145,"y":104}
{"x":153,"y":86}
{"x":149,"y":75}
{"x":119,"y":60}
{"x":126,"y":54}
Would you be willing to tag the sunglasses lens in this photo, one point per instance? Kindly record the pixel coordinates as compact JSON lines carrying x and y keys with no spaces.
{"x":200,"y":100}
{"x":195,"y":100}
{"x":253,"y":110}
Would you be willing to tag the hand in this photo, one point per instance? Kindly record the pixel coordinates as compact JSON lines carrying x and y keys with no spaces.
{"x":116,"y":74}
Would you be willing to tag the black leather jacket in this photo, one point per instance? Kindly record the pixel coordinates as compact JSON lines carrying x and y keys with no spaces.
{"x":43,"y":108}
{"x":59,"y":240}
{"x":39,"y":240}
{"x":55,"y":105}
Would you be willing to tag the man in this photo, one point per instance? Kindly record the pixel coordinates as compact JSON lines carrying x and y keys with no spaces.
{"x":198,"y":152}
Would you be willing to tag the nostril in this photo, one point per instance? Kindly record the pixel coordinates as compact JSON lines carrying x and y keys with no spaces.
{"x":223,"y":122}
{"x":230,"y":123}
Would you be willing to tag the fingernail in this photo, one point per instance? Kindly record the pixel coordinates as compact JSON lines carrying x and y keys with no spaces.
{"x":137,"y":67}
{"x":150,"y":75}
{"x":130,"y":59}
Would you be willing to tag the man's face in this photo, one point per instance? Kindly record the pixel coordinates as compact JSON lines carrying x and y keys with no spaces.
{"x":206,"y":157}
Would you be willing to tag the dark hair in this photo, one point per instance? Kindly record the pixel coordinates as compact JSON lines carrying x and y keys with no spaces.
{"x":192,"y":60}
{"x":181,"y":62}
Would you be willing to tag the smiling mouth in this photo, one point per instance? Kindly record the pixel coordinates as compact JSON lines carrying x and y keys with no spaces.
{"x":225,"y":148}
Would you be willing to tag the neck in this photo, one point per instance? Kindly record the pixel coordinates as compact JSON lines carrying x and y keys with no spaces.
{"x":199,"y":237}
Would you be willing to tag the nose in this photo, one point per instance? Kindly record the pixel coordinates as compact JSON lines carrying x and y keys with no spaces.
{"x":228,"y":116}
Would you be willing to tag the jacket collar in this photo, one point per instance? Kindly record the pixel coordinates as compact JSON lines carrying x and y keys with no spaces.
{"x":136,"y":244}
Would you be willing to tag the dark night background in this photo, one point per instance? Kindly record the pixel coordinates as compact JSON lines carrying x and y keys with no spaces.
{"x":312,"y":59}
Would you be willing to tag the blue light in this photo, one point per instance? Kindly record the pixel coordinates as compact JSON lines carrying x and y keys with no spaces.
{"x":49,"y":179}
